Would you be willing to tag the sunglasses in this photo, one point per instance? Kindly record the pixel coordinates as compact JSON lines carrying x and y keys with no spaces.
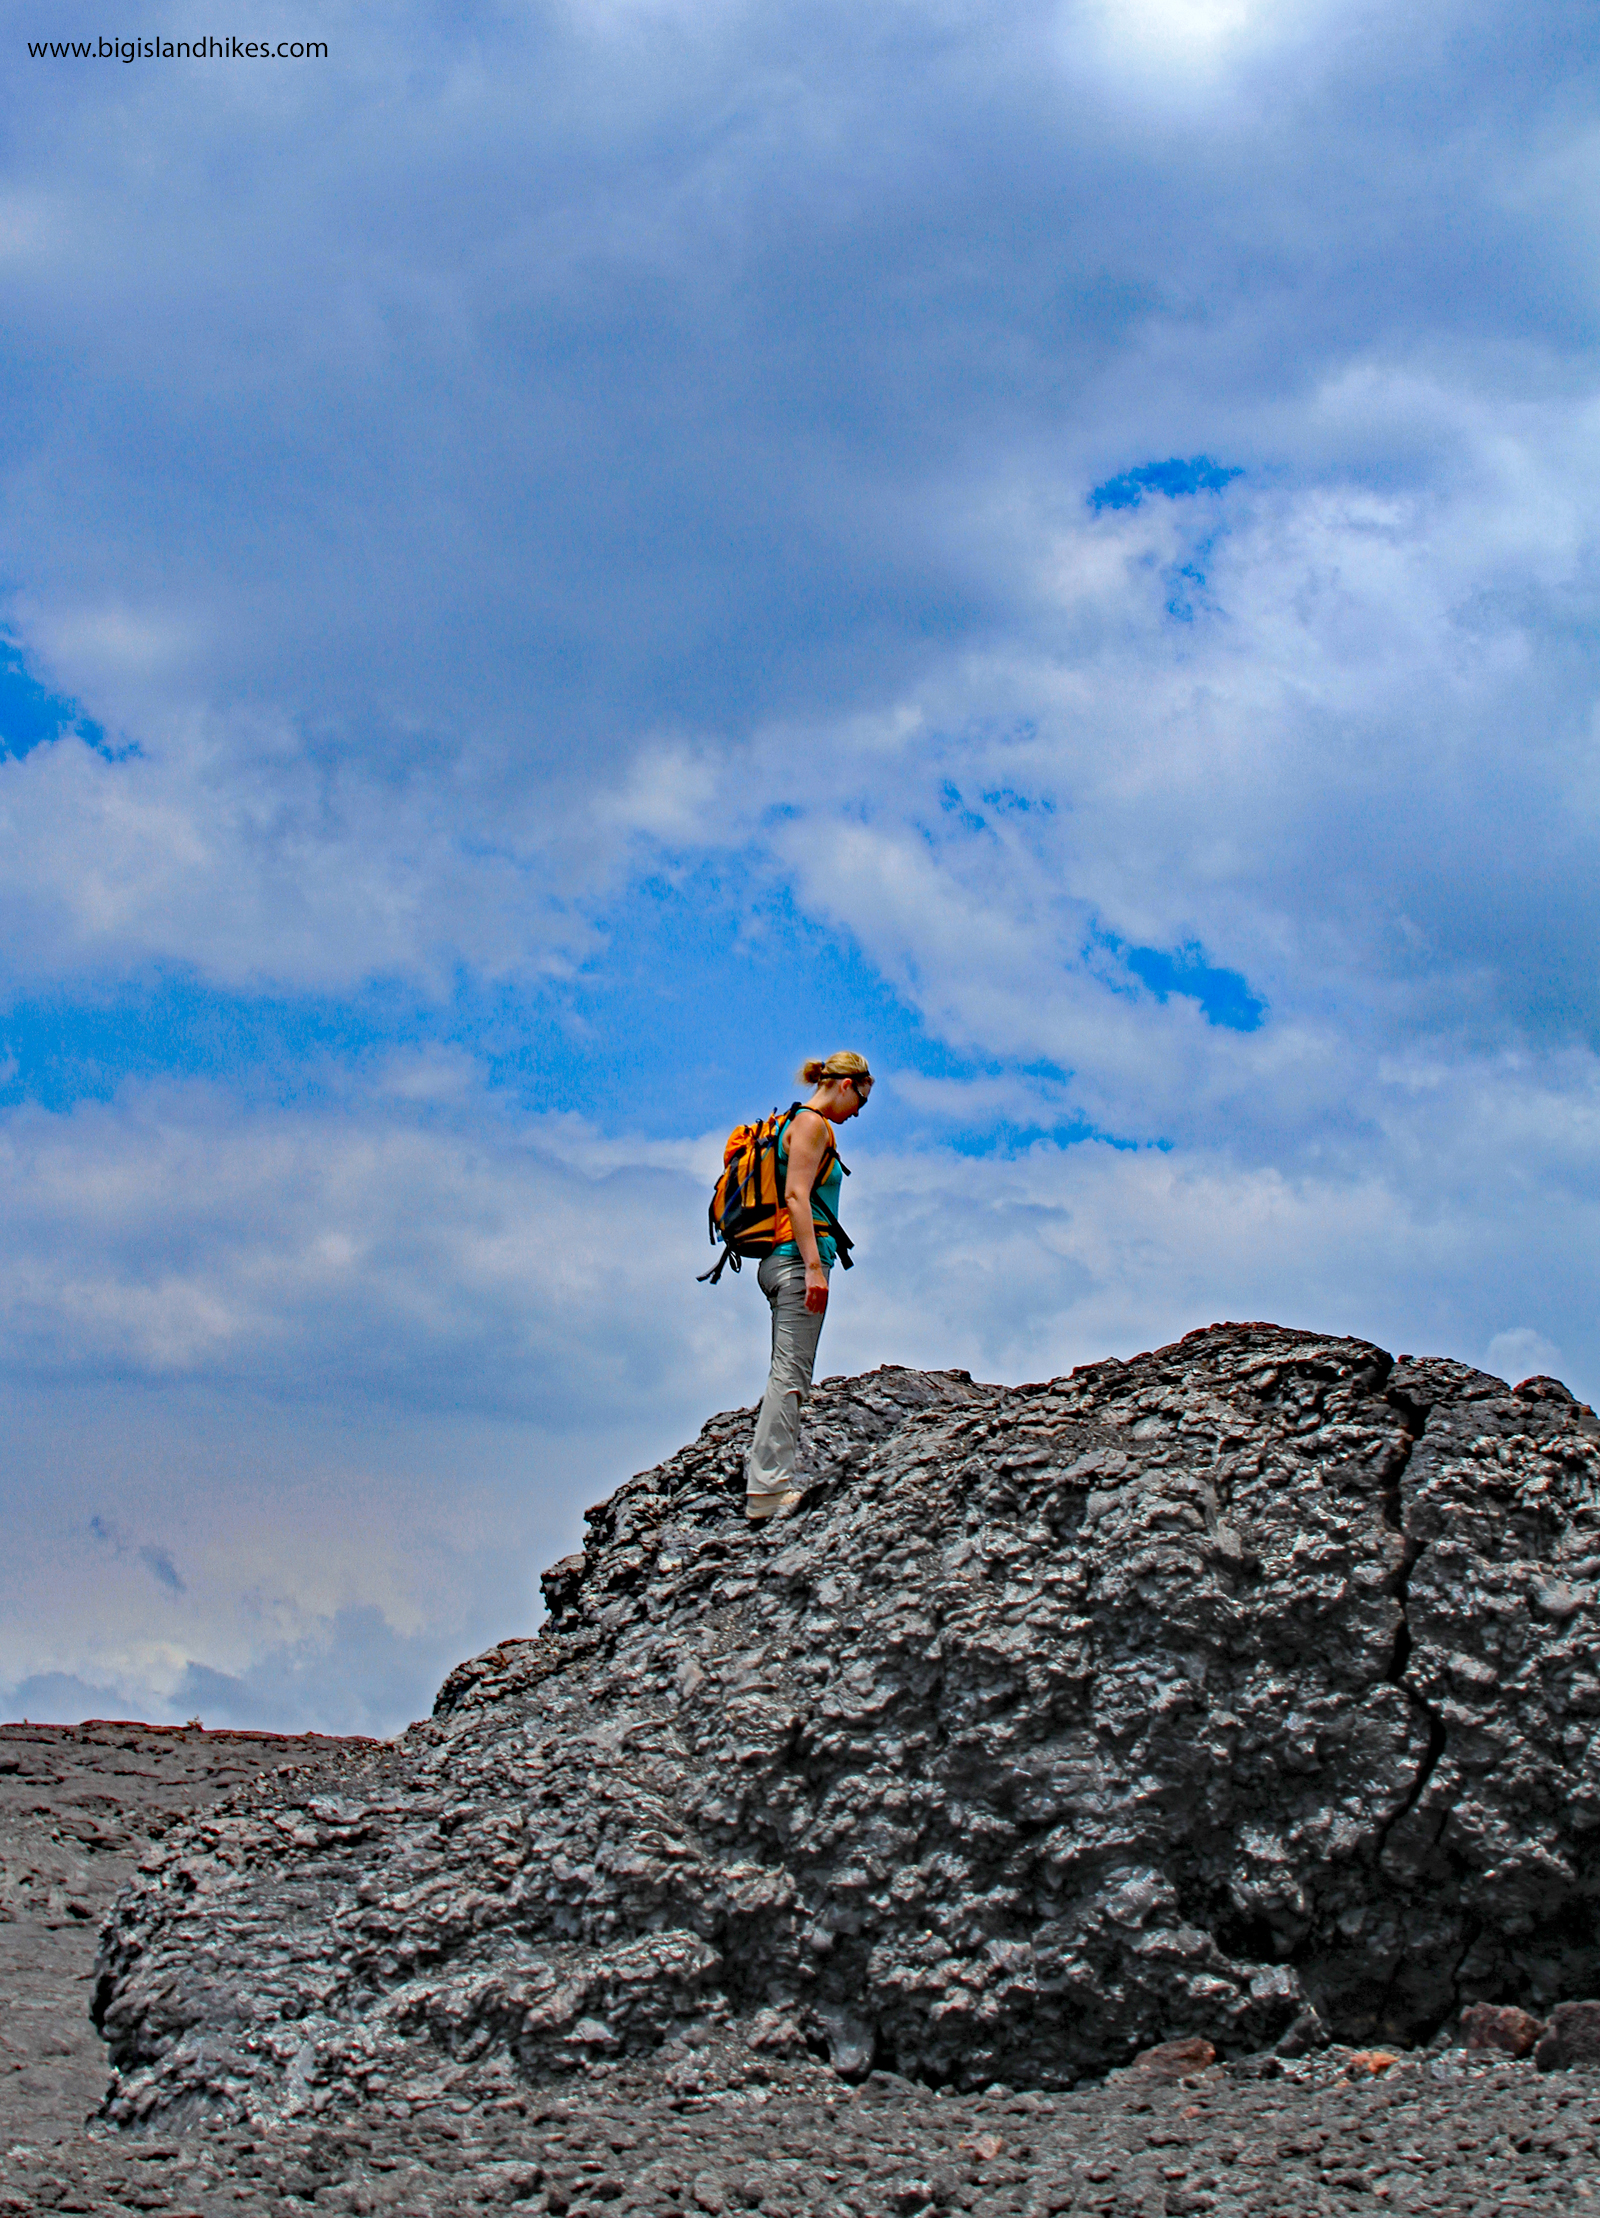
{"x":863,"y":1088}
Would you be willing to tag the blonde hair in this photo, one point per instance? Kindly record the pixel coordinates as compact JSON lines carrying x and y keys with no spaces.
{"x":844,"y":1065}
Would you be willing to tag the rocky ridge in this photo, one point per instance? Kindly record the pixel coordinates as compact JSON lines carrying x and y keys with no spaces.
{"x":1244,"y":1690}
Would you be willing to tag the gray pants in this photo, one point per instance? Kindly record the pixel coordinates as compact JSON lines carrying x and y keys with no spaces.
{"x":795,"y":1332}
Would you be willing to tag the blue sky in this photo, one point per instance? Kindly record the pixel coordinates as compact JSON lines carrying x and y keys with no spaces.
{"x":561,"y":559}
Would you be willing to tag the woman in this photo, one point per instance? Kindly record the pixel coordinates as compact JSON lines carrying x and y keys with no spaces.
{"x":794,"y":1277}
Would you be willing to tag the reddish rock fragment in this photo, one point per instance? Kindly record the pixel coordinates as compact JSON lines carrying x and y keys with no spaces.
{"x":1176,"y":2059}
{"x":1490,"y":2025}
{"x":1573,"y":2037}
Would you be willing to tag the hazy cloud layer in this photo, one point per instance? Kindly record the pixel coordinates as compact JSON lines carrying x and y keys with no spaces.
{"x":364,"y":1393}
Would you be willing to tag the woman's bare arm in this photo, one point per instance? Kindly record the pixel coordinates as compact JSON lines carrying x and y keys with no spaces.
{"x":808,"y":1143}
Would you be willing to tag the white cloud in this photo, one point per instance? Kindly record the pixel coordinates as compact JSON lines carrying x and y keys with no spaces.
{"x":1360,"y":777}
{"x":1023,"y":1266}
{"x":1520,"y":1353}
{"x":239,"y":856}
{"x":377,"y":1251}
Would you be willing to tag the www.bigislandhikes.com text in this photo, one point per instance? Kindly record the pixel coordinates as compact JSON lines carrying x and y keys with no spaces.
{"x":179,"y":50}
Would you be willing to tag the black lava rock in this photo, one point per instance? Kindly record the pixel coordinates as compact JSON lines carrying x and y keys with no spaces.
{"x":1173,"y":1699}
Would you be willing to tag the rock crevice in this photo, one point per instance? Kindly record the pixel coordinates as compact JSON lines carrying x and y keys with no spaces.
{"x":1414,"y":1420}
{"x":1178,"y":1697}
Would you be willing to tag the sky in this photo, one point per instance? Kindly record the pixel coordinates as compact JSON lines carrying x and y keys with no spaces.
{"x":558,"y":558}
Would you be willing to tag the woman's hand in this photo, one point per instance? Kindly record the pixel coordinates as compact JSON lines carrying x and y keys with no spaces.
{"x":816,"y":1289}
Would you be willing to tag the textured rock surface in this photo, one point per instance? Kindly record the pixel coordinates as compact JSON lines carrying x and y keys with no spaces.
{"x":1423,"y":2135}
{"x":1159,"y":1701}
{"x":713,"y":2124}
{"x":1573,"y":2037}
{"x":79,"y":1805}
{"x":1490,"y":2025}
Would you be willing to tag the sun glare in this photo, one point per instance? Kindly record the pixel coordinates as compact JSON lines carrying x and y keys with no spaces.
{"x":1167,"y":35}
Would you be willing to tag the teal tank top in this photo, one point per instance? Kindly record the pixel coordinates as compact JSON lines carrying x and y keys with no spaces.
{"x":826,"y":1190}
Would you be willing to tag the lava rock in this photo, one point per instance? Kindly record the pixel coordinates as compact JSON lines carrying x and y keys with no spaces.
{"x":1573,"y":2037}
{"x":1175,"y":2059}
{"x":1307,"y":2033}
{"x":1489,"y":2025}
{"x":1174,"y":1698}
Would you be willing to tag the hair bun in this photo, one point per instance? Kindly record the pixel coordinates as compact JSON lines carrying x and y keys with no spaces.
{"x":846,"y":1064}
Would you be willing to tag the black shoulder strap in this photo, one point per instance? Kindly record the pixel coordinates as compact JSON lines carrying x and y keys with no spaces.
{"x":841,"y":1239}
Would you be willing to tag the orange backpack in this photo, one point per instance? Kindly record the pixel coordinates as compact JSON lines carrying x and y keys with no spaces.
{"x":747,"y":1211}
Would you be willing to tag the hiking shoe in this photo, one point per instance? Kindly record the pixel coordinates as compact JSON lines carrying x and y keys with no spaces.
{"x":780,"y":1503}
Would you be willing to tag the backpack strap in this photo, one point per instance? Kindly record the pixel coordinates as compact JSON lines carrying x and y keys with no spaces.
{"x":829,"y":1152}
{"x":788,"y":1118}
{"x":841,"y":1239}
